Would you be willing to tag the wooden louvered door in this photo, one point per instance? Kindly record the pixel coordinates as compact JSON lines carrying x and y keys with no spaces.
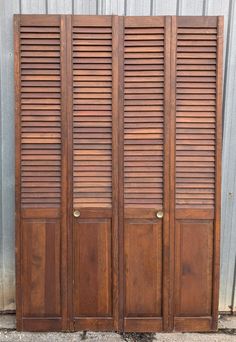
{"x":145,"y":171}
{"x":40,"y":173}
{"x":95,"y":173}
{"x":197,"y":140}
{"x":118,"y":147}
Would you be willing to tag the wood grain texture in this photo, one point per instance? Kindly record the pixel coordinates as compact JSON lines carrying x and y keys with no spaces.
{"x":172,"y":179}
{"x":166,"y":178}
{"x":41,"y":268}
{"x":92,"y":112}
{"x":64,"y":172}
{"x":193,"y":268}
{"x":40,"y":112}
{"x":119,"y":118}
{"x":143,"y":268}
{"x":195,"y":115}
{"x":198,"y":165}
{"x":116,"y":91}
{"x":92,"y":268}
{"x":143,"y":169}
{"x":143,"y":112}
{"x":95,"y":174}
{"x":121,"y":175}
{"x":40,"y":167}
{"x":69,"y":110}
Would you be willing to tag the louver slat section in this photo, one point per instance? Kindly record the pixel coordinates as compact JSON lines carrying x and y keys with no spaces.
{"x":143,"y":116}
{"x":92,"y":116}
{"x":197,"y":177}
{"x":40,"y":117}
{"x":195,"y":117}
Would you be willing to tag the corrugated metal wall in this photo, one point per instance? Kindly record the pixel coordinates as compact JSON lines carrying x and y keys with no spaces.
{"x":122,"y":7}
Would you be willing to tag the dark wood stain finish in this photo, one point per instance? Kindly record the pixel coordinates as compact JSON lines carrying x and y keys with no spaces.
{"x":95,"y":175}
{"x":40,"y":173}
{"x":143,"y":155}
{"x":197,"y":172}
{"x":118,"y":118}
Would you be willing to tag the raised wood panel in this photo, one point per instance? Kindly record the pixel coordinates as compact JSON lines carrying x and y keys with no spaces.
{"x":143,"y":268}
{"x":92,"y":268}
{"x":193,"y":268}
{"x":41,"y":276}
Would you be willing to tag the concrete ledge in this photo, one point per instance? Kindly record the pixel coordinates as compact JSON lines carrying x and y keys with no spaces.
{"x":227,"y":333}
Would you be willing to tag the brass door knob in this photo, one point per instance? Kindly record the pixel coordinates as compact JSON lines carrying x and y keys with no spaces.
{"x":76,"y":213}
{"x":159,"y":214}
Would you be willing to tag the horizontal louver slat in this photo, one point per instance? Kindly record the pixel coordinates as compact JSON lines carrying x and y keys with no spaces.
{"x":92,"y":116}
{"x":40,"y":117}
{"x":143,"y":117}
{"x":195,"y":117}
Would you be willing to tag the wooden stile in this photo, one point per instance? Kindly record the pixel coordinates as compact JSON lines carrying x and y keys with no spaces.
{"x":118,"y":149}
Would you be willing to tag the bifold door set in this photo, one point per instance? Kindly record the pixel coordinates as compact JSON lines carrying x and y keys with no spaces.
{"x":118,"y":154}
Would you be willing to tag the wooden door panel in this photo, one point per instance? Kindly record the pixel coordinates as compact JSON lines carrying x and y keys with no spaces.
{"x":40,"y":173}
{"x":197,"y":171}
{"x":41,"y":268}
{"x":92,"y":268}
{"x":193,"y":268}
{"x":144,"y":165}
{"x":118,"y":118}
{"x":143,"y":268}
{"x":95,"y":186}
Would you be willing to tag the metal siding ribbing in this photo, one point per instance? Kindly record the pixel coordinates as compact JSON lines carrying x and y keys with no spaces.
{"x":190,"y":7}
{"x":59,"y":6}
{"x":121,"y":7}
{"x":228,"y":226}
{"x":7,"y":224}
{"x":33,"y":6}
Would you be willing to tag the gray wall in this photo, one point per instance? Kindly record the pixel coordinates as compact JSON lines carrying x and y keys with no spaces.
{"x":122,"y":7}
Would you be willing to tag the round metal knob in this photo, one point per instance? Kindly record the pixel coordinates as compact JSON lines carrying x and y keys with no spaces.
{"x":159,"y":214}
{"x":76,"y":213}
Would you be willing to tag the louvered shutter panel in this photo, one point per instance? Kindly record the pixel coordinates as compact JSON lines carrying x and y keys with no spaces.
{"x":143,"y":116}
{"x":94,"y":171}
{"x":118,"y":147}
{"x":198,"y":136}
{"x":145,"y":51}
{"x":92,"y":115}
{"x":39,"y":170}
{"x":40,"y":117}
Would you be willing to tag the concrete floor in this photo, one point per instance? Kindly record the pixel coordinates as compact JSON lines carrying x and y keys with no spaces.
{"x":227,"y":332}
